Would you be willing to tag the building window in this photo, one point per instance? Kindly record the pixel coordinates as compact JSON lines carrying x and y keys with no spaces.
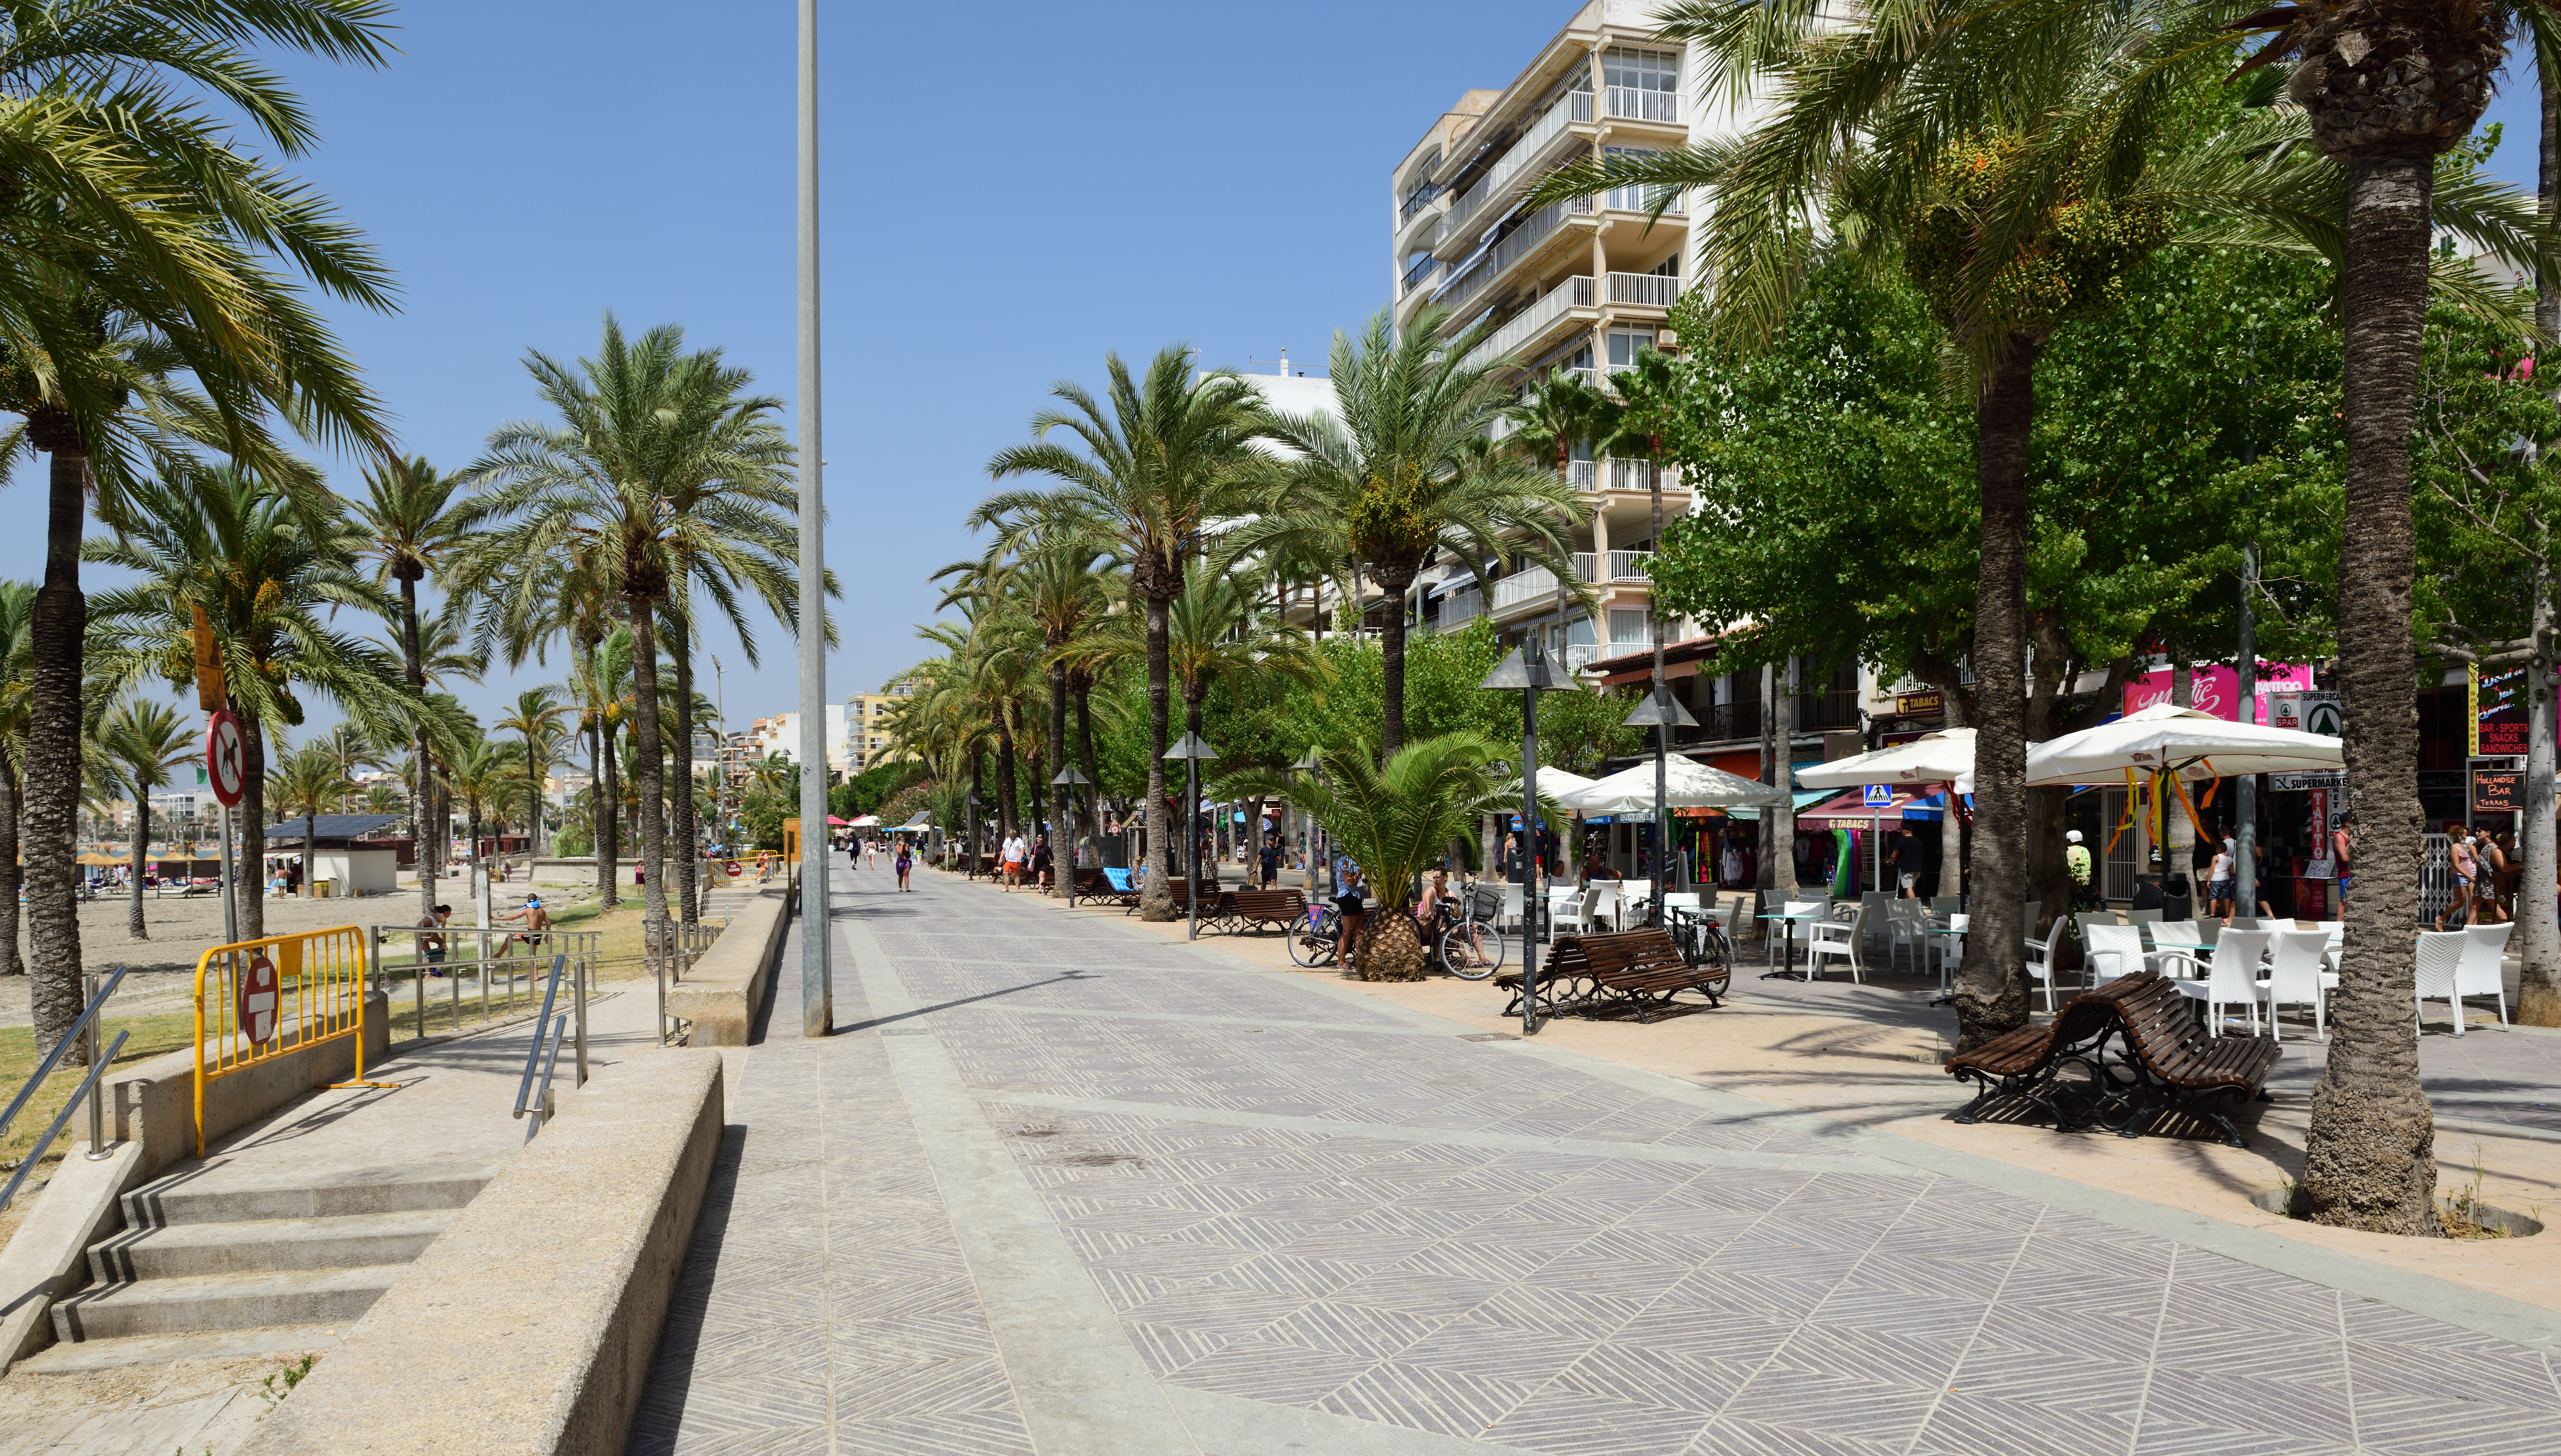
{"x":1634,"y":199}
{"x":1626,"y":345}
{"x":1646,"y":70}
{"x":1629,"y":628}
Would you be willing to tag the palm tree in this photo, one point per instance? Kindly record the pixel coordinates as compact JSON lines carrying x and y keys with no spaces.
{"x":1401,"y":475}
{"x":537,"y":720}
{"x":662,"y":475}
{"x":17,"y":673}
{"x":1158,"y":471}
{"x":481,"y":776}
{"x":307,"y":778}
{"x":144,"y":740}
{"x":267,"y":579}
{"x":1395,"y":822}
{"x":1554,"y":416}
{"x":1214,"y":633}
{"x":600,"y":684}
{"x":145,"y":247}
{"x":408,"y":524}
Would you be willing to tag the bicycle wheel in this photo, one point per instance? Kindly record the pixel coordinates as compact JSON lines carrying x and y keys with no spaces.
{"x":1312,"y":940}
{"x":1472,"y":952}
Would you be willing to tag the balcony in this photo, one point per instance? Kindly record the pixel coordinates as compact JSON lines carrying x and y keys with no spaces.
{"x":1512,"y":248}
{"x":1532,"y":321}
{"x":1523,"y":161}
{"x":1459,"y":608}
{"x":1421,"y":274}
{"x":1421,"y":234}
{"x":1635,"y":103}
{"x":1628,"y":565}
{"x":1615,"y":474}
{"x":1644,"y":290}
{"x":1421,"y":197}
{"x":1530,"y":585}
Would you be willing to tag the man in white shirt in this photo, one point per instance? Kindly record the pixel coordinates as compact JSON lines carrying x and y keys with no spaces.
{"x":1014,"y":853}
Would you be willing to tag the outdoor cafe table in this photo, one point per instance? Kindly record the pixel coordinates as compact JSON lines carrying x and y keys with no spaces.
{"x":1942,"y":927}
{"x":1789,"y":920}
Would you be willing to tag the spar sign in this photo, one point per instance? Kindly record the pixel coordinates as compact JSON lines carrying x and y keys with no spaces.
{"x":257,"y":994}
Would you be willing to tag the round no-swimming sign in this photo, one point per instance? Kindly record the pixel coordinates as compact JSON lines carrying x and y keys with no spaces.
{"x":226,"y":758}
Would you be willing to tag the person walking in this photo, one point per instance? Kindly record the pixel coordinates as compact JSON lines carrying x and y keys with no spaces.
{"x":1271,"y":861}
{"x":1040,"y":862}
{"x":904,"y":863}
{"x":2219,"y":883}
{"x":2340,"y":848}
{"x":1015,"y":851}
{"x":2489,"y":874}
{"x":1910,"y":859}
{"x":2076,"y":862}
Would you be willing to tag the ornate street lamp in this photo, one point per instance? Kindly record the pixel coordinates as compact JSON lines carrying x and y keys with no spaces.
{"x":970,"y":851}
{"x":1193,"y":752}
{"x":1662,"y":713}
{"x":1526,"y":671}
{"x":1315,"y":831}
{"x":1066,"y":783}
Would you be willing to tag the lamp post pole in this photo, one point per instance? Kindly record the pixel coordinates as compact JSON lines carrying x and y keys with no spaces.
{"x":1066,"y":783}
{"x":817,"y":1000}
{"x":1662,"y":713}
{"x":1526,"y":671}
{"x":1191,"y":751}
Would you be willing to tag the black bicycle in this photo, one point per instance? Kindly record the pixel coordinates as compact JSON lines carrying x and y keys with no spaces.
{"x":1315,"y":940}
{"x":1471,"y":945}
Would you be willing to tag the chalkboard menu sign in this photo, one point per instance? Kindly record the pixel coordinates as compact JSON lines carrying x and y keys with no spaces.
{"x":2498,"y":791}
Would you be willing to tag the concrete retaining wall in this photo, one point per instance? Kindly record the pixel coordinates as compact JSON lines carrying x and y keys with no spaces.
{"x":152,"y":1111}
{"x":528,"y":1328}
{"x":726,"y":988}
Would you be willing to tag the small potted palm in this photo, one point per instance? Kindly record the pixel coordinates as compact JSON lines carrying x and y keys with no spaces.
{"x":1394,"y":822}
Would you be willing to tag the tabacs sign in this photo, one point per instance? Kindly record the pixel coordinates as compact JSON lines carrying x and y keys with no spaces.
{"x":1918,"y":705}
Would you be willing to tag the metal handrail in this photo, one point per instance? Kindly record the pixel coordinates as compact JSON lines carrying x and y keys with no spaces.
{"x":86,"y":1088}
{"x":543,"y":1109}
{"x":551,"y":994}
{"x":53,"y":1059}
{"x":583,"y":942}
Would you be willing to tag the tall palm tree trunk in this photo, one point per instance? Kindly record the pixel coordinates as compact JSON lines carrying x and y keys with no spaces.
{"x":133,"y":923}
{"x":1083,"y":686}
{"x":2539,"y":988}
{"x":1007,"y":815}
{"x":688,"y":861}
{"x":1156,"y":901}
{"x":1992,"y":984}
{"x":53,"y":771}
{"x":2370,"y":1161}
{"x":415,"y":670}
{"x":249,"y":867}
{"x":1062,"y":855}
{"x":12,"y":873}
{"x":608,"y":817}
{"x":648,"y":762}
{"x":1391,"y":733}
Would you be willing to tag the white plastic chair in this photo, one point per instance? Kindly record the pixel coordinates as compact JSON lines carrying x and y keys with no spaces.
{"x":2295,"y":978}
{"x":2440,"y":952}
{"x":1512,"y":904}
{"x":2478,"y":973}
{"x":2040,"y":960}
{"x":1576,"y":914}
{"x":1779,"y":932}
{"x":2142,"y":917}
{"x":2231,"y":978}
{"x":2172,"y":962}
{"x":2113,"y":952}
{"x":1951,"y":948}
{"x":1907,"y":922}
{"x":1633,"y":897}
{"x":1834,"y":940}
{"x":1605,"y":901}
{"x":1680,"y":899}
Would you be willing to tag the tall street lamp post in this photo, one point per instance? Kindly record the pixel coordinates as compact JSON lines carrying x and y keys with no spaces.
{"x":1193,"y":752}
{"x":970,"y":851}
{"x":1662,"y":713}
{"x":1315,"y":852}
{"x":1526,"y":671}
{"x":1065,"y":782}
{"x":817,"y":1000}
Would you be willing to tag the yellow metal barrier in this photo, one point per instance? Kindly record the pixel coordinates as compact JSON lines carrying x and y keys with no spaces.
{"x":273,"y":996}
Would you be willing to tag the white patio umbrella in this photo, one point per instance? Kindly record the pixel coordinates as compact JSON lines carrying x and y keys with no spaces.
{"x":1941,"y":758}
{"x":1688,"y":785}
{"x":2181,"y":739}
{"x":1556,"y":784}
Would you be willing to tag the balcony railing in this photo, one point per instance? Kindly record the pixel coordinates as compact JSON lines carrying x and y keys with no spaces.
{"x":1418,"y":200}
{"x":1460,"y":608}
{"x":1421,"y":274}
{"x":1635,"y":103}
{"x":1583,"y":475}
{"x":1530,"y":322}
{"x":1644,"y":290}
{"x":1620,"y":474}
{"x":1643,"y":199}
{"x":1525,"y":154}
{"x":1514,"y":247}
{"x":1628,"y":565}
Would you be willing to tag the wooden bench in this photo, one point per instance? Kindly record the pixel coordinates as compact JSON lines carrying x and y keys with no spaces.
{"x":1640,"y":968}
{"x":1286,"y":909}
{"x":2121,"y":1056}
{"x":1095,"y":885}
{"x":1217,"y":905}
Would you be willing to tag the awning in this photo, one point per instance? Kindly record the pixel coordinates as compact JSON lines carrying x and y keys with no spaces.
{"x":1802,"y":797}
{"x":1849,"y":811}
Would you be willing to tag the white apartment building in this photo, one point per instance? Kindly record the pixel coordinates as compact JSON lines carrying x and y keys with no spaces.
{"x":1584,"y":286}
{"x":780,"y":734}
{"x":867,"y":723}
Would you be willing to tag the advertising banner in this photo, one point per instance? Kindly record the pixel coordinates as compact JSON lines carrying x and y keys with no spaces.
{"x":2217,"y":690}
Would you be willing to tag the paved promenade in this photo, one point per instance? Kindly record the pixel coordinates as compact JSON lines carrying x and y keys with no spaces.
{"x":1060,"y":1186}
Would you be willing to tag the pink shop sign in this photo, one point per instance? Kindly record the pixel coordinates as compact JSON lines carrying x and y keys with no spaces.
{"x":2217,"y":690}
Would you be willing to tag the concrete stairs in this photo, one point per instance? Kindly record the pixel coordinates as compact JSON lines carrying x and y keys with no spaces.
{"x":215,"y":1263}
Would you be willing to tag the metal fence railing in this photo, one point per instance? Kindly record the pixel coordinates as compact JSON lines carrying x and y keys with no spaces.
{"x":258,"y":1000}
{"x":486,"y":956}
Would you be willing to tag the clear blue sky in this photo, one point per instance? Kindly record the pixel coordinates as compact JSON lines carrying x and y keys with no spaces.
{"x":1004,"y":200}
